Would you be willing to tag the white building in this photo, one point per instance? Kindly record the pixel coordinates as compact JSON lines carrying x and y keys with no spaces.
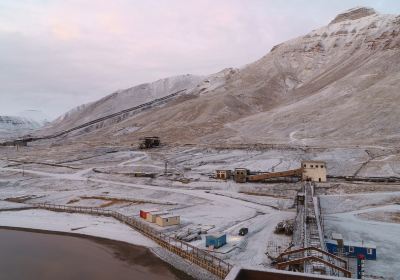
{"x":314,"y":171}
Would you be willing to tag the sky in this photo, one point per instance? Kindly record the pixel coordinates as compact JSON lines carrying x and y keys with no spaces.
{"x":56,"y":55}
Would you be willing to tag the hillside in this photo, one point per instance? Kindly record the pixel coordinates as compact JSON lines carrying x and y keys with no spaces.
{"x":121,"y":100}
{"x":25,"y":122}
{"x":337,"y":85}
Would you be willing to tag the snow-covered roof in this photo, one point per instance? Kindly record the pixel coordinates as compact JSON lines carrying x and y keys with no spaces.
{"x":337,"y":236}
{"x":313,"y":161}
{"x":168,"y":215}
{"x":216,"y":234}
{"x":158,"y":213}
{"x":150,"y":210}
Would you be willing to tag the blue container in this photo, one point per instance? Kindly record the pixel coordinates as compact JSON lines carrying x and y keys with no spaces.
{"x":353,"y":249}
{"x":216,"y":240}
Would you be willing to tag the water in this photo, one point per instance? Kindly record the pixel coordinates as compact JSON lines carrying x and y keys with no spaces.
{"x":33,"y":255}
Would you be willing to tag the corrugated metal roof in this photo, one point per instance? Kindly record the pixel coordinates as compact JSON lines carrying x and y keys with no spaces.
{"x":337,"y":236}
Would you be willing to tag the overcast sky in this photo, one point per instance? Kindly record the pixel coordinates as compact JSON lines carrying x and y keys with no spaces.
{"x":55,"y":55}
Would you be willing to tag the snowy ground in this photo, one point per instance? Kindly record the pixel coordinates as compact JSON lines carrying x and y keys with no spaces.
{"x":74,"y":223}
{"x":356,"y":228}
{"x":187,"y":190}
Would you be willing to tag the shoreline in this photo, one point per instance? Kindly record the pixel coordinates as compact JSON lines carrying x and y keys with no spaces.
{"x":123,"y":252}
{"x":72,"y":234}
{"x":169,"y":258}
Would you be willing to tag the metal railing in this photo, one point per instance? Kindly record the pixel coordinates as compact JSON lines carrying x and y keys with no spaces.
{"x":185,"y":250}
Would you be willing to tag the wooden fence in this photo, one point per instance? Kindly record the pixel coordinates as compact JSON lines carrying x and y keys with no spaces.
{"x":195,"y":255}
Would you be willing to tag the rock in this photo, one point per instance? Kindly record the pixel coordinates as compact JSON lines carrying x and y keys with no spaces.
{"x":353,"y":14}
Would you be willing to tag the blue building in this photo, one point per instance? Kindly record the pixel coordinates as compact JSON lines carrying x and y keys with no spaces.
{"x":352,"y":249}
{"x":216,"y":240}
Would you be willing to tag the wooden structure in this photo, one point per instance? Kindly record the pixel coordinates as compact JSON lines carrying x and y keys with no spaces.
{"x":315,"y":255}
{"x":265,"y":176}
{"x":168,"y":220}
{"x":144,"y":174}
{"x":202,"y":258}
{"x":150,"y":142}
{"x":308,"y":235}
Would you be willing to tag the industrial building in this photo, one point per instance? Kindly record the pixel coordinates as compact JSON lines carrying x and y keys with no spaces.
{"x":351,"y":249}
{"x":223,"y":174}
{"x":309,"y":170}
{"x":314,"y":171}
{"x":168,"y":220}
{"x":240,"y":175}
{"x":216,"y":240}
{"x":143,"y":212}
{"x":151,"y":216}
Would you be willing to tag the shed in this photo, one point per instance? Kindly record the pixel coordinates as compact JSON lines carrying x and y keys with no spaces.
{"x":151,"y":216}
{"x":216,"y":240}
{"x":352,"y":249}
{"x":223,"y":174}
{"x":143,"y":212}
{"x":168,"y":220}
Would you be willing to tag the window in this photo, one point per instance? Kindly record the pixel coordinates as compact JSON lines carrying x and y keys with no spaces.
{"x":369,"y":251}
{"x":322,"y":166}
{"x":351,"y":249}
{"x":312,"y":166}
{"x":166,"y":220}
{"x":305,"y":165}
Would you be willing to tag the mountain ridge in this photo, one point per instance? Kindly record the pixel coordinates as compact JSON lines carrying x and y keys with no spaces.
{"x":24,"y":122}
{"x":288,"y":96}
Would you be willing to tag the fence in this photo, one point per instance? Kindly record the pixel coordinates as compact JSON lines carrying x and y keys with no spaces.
{"x":195,"y":255}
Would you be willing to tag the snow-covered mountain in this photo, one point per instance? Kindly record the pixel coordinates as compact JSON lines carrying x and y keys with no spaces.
{"x":123,"y":99}
{"x":336,"y":85}
{"x":34,"y":116}
{"x":25,"y":122}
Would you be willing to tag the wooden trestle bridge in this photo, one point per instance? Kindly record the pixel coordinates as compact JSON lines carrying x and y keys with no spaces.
{"x":311,"y":255}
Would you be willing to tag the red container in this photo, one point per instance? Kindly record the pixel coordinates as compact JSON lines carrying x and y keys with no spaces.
{"x":143,"y":214}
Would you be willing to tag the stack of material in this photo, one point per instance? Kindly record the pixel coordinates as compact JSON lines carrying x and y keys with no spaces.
{"x":285,"y":227}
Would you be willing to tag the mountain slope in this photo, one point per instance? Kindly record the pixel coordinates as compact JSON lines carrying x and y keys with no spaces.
{"x":26,"y":122}
{"x":121,"y":100}
{"x":336,"y":85}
